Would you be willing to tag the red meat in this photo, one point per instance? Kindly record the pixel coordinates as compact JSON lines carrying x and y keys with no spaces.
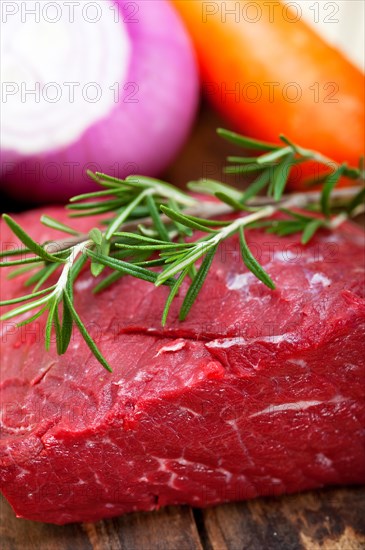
{"x":259,"y":392}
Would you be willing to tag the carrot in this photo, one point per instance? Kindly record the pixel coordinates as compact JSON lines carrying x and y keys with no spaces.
{"x":269,"y":73}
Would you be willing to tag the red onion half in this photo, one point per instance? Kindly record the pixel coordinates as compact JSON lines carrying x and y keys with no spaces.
{"x":109,"y":86}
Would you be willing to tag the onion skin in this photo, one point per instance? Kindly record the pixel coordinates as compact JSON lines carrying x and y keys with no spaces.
{"x":328,"y":118}
{"x":140,"y":136}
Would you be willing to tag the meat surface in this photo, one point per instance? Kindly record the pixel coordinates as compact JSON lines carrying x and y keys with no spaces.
{"x":258,"y":392}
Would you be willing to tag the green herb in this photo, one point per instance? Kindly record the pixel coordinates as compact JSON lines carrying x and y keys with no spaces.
{"x":159,"y":234}
{"x":252,"y":264}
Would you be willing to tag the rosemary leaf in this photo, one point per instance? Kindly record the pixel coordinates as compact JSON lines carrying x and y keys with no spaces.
{"x":260,"y":183}
{"x":22,"y":270}
{"x":352,"y":173}
{"x":242,"y":160}
{"x":192,"y":271}
{"x":243,"y":169}
{"x":55,"y":224}
{"x":32,"y":318}
{"x":125,"y":267}
{"x":185,"y":220}
{"x":296,"y":215}
{"x":156,"y":218}
{"x":174,"y":290}
{"x":32,"y":260}
{"x":197,"y":283}
{"x":52,"y":307}
{"x":151,"y":263}
{"x":329,"y":185}
{"x":107,"y":206}
{"x":356,"y":201}
{"x":311,"y":182}
{"x":37,"y":249}
{"x":92,"y":195}
{"x":96,"y":269}
{"x":86,"y":336}
{"x":66,"y":327}
{"x":97,"y":211}
{"x":161,"y":188}
{"x":96,"y":236}
{"x":280,"y":176}
{"x":184,"y":261}
{"x":211,"y":187}
{"x":182,"y":230}
{"x":170,"y":256}
{"x":57,"y":327}
{"x":123,"y":216}
{"x":15,"y":252}
{"x":40,"y":277}
{"x":160,"y":246}
{"x":47,"y":274}
{"x":24,"y":309}
{"x":269,"y":158}
{"x":286,"y":227}
{"x":146,"y":231}
{"x":288,"y":142}
{"x":236,"y":205}
{"x":130,"y":182}
{"x":120,"y":254}
{"x":252,"y":264}
{"x":208,"y":223}
{"x":143,"y":239}
{"x":310,"y":229}
{"x":247,"y":143}
{"x":27,"y":297}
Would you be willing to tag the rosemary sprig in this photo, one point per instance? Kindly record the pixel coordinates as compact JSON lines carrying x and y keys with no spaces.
{"x":164,"y":236}
{"x":273,"y":166}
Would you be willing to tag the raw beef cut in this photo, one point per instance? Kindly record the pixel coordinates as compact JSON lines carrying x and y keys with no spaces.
{"x":258,"y":392}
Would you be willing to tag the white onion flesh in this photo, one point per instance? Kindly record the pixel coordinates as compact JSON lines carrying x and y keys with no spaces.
{"x":48,"y":105}
{"x":112,"y":88}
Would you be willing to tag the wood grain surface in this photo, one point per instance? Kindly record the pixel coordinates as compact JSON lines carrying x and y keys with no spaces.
{"x":332,"y":519}
{"x":318,"y":520}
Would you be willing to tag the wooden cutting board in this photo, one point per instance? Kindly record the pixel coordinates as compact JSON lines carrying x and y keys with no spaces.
{"x":318,"y":520}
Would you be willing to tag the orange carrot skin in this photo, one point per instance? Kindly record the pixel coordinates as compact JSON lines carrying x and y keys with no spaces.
{"x":268,"y":73}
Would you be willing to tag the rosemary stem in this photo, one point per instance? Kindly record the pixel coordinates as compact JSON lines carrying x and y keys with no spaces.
{"x":314,"y":155}
{"x":265,"y":212}
{"x":338,"y":220}
{"x":62,"y":281}
{"x":298,"y":200}
{"x":211,"y":209}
